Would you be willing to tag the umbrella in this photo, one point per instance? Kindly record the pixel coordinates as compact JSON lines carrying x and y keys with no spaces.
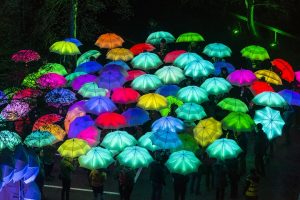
{"x":118,"y":140}
{"x":77,"y":105}
{"x":51,"y":81}
{"x":98,"y":105}
{"x":207,"y":131}
{"x":39,"y":139}
{"x":25,"y":56}
{"x":91,"y":89}
{"x":146,"y":142}
{"x":86,"y":56}
{"x":271,"y":120}
{"x":132,"y":74}
{"x":120,"y":63}
{"x":146,"y":82}
{"x":258,"y":87}
{"x":6,"y":166}
{"x":165,"y":139}
{"x":60,"y":97}
{"x":3,"y":98}
{"x":74,"y":40}
{"x":11,"y":91}
{"x":109,"y":41}
{"x":152,"y":101}
{"x":21,"y":163}
{"x":27,"y":94}
{"x":190,"y":37}
{"x":233,"y":104}
{"x":72,"y":76}
{"x":135,"y":157}
{"x":223,"y":149}
{"x":141,"y":47}
{"x":238,"y":122}
{"x":33,"y":167}
{"x":136,"y":116}
{"x":111,"y":79}
{"x":192,"y":94}
{"x":114,"y":67}
{"x":291,"y":97}
{"x":185,"y":58}
{"x":72,"y":115}
{"x":53,"y":68}
{"x":96,"y":158}
{"x":64,"y":48}
{"x":3,"y":123}
{"x":217,"y":50}
{"x":79,"y":81}
{"x":30,"y":80}
{"x":79,"y":124}
{"x":31,"y":191}
{"x":73,"y":148}
{"x":221,"y":65}
{"x":297,"y":74}
{"x":271,"y":99}
{"x":156,"y":37}
{"x":268,"y":76}
{"x":216,"y":86}
{"x":241,"y":77}
{"x":183,"y":162}
{"x":255,"y":52}
{"x":170,"y":74}
{"x":199,"y":68}
{"x":125,"y":96}
{"x":190,"y":112}
{"x":89,"y":67}
{"x":146,"y":61}
{"x":169,"y":123}
{"x":91,"y":135}
{"x":15,"y":110}
{"x":188,"y":143}
{"x":119,"y":54}
{"x":287,"y":72}
{"x":110,"y":120}
{"x":55,"y":130}
{"x":171,"y":101}
{"x":167,"y":90}
{"x":171,"y":56}
{"x":9,"y":139}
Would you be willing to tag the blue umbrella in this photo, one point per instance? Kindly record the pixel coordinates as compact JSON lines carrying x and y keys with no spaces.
{"x":221,"y":64}
{"x":120,"y":63}
{"x":291,"y":97}
{"x":31,"y":191}
{"x":89,"y":67}
{"x":74,"y":40}
{"x":33,"y":167}
{"x":60,"y":97}
{"x":167,"y":90}
{"x":6,"y":166}
{"x":165,"y":139}
{"x":21,"y":163}
{"x":136,"y":116}
{"x":111,"y":79}
{"x":167,"y":124}
{"x":98,"y":105}
{"x":79,"y":124}
{"x":3,"y":98}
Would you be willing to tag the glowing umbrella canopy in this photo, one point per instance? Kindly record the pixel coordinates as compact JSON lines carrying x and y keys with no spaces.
{"x":9,"y":139}
{"x":98,"y":105}
{"x":118,"y":140}
{"x":188,"y":143}
{"x":55,"y":130}
{"x":53,"y":68}
{"x":111,"y":79}
{"x":183,"y":162}
{"x":146,"y":82}
{"x":21,"y":163}
{"x":291,"y":97}
{"x":89,"y":67}
{"x":199,"y":68}
{"x":39,"y":139}
{"x":170,"y":74}
{"x":91,"y":89}
{"x":64,"y":48}
{"x":125,"y":96}
{"x":238,"y":122}
{"x":60,"y":97}
{"x":171,"y":56}
{"x":91,"y":135}
{"x":72,"y":115}
{"x":156,"y":37}
{"x":33,"y":167}
{"x":167,"y":90}
{"x":271,"y":99}
{"x":114,"y":67}
{"x":86,"y":56}
{"x":190,"y":37}
{"x":233,"y":104}
{"x":74,"y":40}
{"x":31,"y":191}
{"x":6,"y":167}
{"x":79,"y":124}
{"x":11,"y":91}
{"x":30,"y":80}
{"x":72,"y":76}
{"x":119,"y":54}
{"x":192,"y":94}
{"x":169,"y":123}
{"x":287,"y":72}
{"x":165,"y":139}
{"x":146,"y":142}
{"x":109,"y":41}
{"x":141,"y":47}
{"x":297,"y":74}
{"x":190,"y":112}
{"x":136,"y":116}
{"x":152,"y":101}
{"x":27,"y":94}
{"x":25,"y":56}
{"x":216,"y":86}
{"x":217,"y":50}
{"x":96,"y":158}
{"x":172,"y":101}
{"x":254,"y":52}
{"x":135,"y":157}
{"x":146,"y":61}
{"x":15,"y":110}
{"x":51,"y":81}
{"x":258,"y":87}
{"x":268,"y":76}
{"x":241,"y":77}
{"x":73,"y":148}
{"x":185,"y":58}
{"x":110,"y":120}
{"x":3,"y":98}
{"x":223,"y":149}
{"x":121,"y":63}
{"x":223,"y":65}
{"x":79,"y":81}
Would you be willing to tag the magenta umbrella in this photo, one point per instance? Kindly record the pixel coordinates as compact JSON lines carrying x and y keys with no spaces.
{"x":241,"y":77}
{"x":90,"y":135}
{"x":25,"y":56}
{"x":51,"y":81}
{"x":81,"y":80}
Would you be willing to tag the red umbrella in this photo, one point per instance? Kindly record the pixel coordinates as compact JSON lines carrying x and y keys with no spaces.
{"x":27,"y":93}
{"x":45,"y":120}
{"x":141,"y":47}
{"x":125,"y":95}
{"x":259,"y":87}
{"x":20,"y":124}
{"x":171,"y":56}
{"x":110,"y":120}
{"x":287,"y":72}
{"x":132,"y":74}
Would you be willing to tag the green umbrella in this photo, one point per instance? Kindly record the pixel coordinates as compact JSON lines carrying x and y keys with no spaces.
{"x":254,"y":52}
{"x":188,"y":143}
{"x":223,"y":149}
{"x":171,"y":101}
{"x":146,"y":82}
{"x":135,"y":157}
{"x":53,"y":68}
{"x":183,"y":162}
{"x":238,"y":122}
{"x":96,"y":158}
{"x":91,"y":89}
{"x":72,"y":76}
{"x":156,"y":37}
{"x":146,"y":142}
{"x":190,"y":112}
{"x":271,"y":99}
{"x":146,"y":61}
{"x":185,"y":58}
{"x":64,"y":48}
{"x":118,"y":140}
{"x":190,"y":37}
{"x":170,"y":74}
{"x":192,"y":94}
{"x":9,"y":139}
{"x":30,"y":80}
{"x":39,"y":139}
{"x":11,"y":91}
{"x":86,"y":56}
{"x":216,"y":86}
{"x":233,"y":104}
{"x":199,"y":68}
{"x":3,"y":122}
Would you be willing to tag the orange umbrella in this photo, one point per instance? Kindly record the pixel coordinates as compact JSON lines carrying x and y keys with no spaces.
{"x":109,"y":41}
{"x":55,"y":130}
{"x":287,"y":72}
{"x":119,"y":54}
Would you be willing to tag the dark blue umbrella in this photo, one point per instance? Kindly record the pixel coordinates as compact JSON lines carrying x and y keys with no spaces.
{"x":98,"y":105}
{"x":7,"y":165}
{"x":74,"y":40}
{"x":31,"y":191}
{"x":120,"y":63}
{"x":21,"y":163}
{"x":136,"y":116}
{"x":168,"y":90}
{"x":291,"y":97}
{"x":111,"y":79}
{"x":3,"y":98}
{"x":165,"y":139}
{"x":89,"y":67}
{"x":33,"y":167}
{"x":79,"y":124}
{"x":221,"y":64}
{"x":60,"y":97}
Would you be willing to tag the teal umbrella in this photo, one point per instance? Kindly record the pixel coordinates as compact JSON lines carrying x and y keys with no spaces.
{"x":185,"y":58}
{"x":183,"y":162}
{"x":216,"y":86}
{"x":238,"y":122}
{"x":118,"y":140}
{"x":233,"y":104}
{"x":9,"y":139}
{"x":192,"y":94}
{"x":91,"y":89}
{"x":146,"y":61}
{"x":146,"y":82}
{"x":271,"y":120}
{"x":156,"y":37}
{"x":135,"y":157}
{"x":190,"y":37}
{"x":190,"y":112}
{"x":96,"y":158}
{"x":72,"y":76}
{"x":271,"y":99}
{"x":170,"y":74}
{"x":199,"y":68}
{"x":53,"y":68}
{"x":85,"y":57}
{"x":223,"y":149}
{"x":146,"y":142}
{"x":39,"y":139}
{"x":217,"y":50}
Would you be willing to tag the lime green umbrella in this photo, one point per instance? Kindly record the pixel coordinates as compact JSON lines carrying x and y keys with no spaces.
{"x":96,"y":158}
{"x":192,"y":94}
{"x":39,"y":139}
{"x":53,"y":68}
{"x":171,"y":100}
{"x":190,"y":112}
{"x":135,"y":157}
{"x":216,"y":86}
{"x":170,"y":74}
{"x":118,"y":140}
{"x":185,"y":58}
{"x":9,"y":139}
{"x":146,"y":61}
{"x":146,"y":142}
{"x":30,"y":80}
{"x":190,"y":37}
{"x":11,"y":91}
{"x":254,"y":52}
{"x":72,"y":76}
{"x":146,"y":82}
{"x":238,"y":122}
{"x":271,"y":99}
{"x":223,"y":149}
{"x":199,"y":68}
{"x":233,"y":104}
{"x":64,"y":48}
{"x":91,"y":89}
{"x":188,"y":143}
{"x":183,"y":162}
{"x":73,"y":148}
{"x":156,"y":37}
{"x":86,"y":56}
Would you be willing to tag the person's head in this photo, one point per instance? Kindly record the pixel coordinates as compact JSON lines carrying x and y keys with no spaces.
{"x":224,"y":71}
{"x":163,"y":41}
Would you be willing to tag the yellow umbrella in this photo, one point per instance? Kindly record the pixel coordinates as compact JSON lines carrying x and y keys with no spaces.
{"x":119,"y":54}
{"x":71,"y":115}
{"x":269,"y":76}
{"x":109,"y":41}
{"x":73,"y":148}
{"x":55,"y":130}
{"x":152,"y":101}
{"x":64,"y":48}
{"x":207,"y":131}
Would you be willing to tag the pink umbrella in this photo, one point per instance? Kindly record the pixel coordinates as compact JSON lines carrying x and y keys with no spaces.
{"x":51,"y":81}
{"x":125,"y":95}
{"x":297,"y":74}
{"x":91,"y":135}
{"x":15,"y":110}
{"x":171,"y":56}
{"x":132,"y":74}
{"x":81,"y":80}
{"x":241,"y":77}
{"x":25,"y":56}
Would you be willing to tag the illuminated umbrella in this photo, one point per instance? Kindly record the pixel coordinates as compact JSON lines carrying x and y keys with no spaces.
{"x":74,"y":40}
{"x":91,"y":89}
{"x":169,"y":123}
{"x":271,"y":120}
{"x":170,"y":74}
{"x":72,"y":76}
{"x":258,"y":87}
{"x":287,"y":72}
{"x":125,"y":96}
{"x":110,"y":120}
{"x":73,"y":148}
{"x":2,"y":122}
{"x":79,"y":124}
{"x":216,"y":86}
{"x":86,"y":56}
{"x":135,"y":157}
{"x":51,"y":81}
{"x":167,"y":90}
{"x":271,"y":99}
{"x":118,"y":140}
{"x":199,"y":68}
{"x":152,"y":101}
{"x":185,"y":58}
{"x":233,"y":104}
{"x":26,"y":94}
{"x":9,"y":139}
{"x":165,"y":139}
{"x":136,"y":116}
{"x":96,"y":158}
{"x":64,"y":48}
{"x":190,"y":112}
{"x":39,"y":139}
{"x":30,"y":80}
{"x":77,"y":105}
{"x":183,"y":162}
{"x":146,"y":82}
{"x":33,"y":167}
{"x":45,"y":120}
{"x":119,"y":63}
{"x":255,"y":52}
{"x":25,"y":56}
{"x":15,"y":110}
{"x":268,"y":76}
{"x":3,"y":98}
{"x":223,"y":149}
{"x":111,"y":79}
{"x":90,"y":135}
{"x":146,"y":61}
{"x":53,"y":68}
{"x":11,"y":91}
{"x":119,"y":54}
{"x":220,"y":65}
{"x":192,"y":94}
{"x":156,"y":37}
{"x":89,"y":67}
{"x":71,"y":115}
{"x":188,"y":143}
{"x":146,"y":142}
{"x":55,"y":130}
{"x":241,"y":77}
{"x":21,"y":163}
{"x":297,"y":74}
{"x":31,"y":191}
{"x":171,"y":102}
{"x":79,"y":81}
{"x":171,"y":56}
{"x":114,"y":67}
{"x":238,"y":122}
{"x":141,"y":47}
{"x":217,"y":50}
{"x":60,"y":97}
{"x":291,"y":97}
{"x":109,"y":41}
{"x":190,"y":37}
{"x":98,"y":105}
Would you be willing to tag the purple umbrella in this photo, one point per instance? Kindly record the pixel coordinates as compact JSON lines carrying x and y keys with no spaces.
{"x":111,"y":79}
{"x":291,"y":97}
{"x":60,"y":97}
{"x":51,"y":81}
{"x":15,"y":110}
{"x":113,"y":67}
{"x":79,"y":124}
{"x":220,"y":65}
{"x":78,"y":104}
{"x":98,"y":105}
{"x":168,"y":90}
{"x":241,"y":77}
{"x":120,"y":63}
{"x":89,"y":67}
{"x":81,"y":80}
{"x":136,"y":116}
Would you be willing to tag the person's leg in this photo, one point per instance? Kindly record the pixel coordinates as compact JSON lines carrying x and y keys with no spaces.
{"x":192,"y":183}
{"x":68,"y":186}
{"x":183,"y":190}
{"x":63,"y":190}
{"x":153,"y":195}
{"x":198,"y":184}
{"x":95,"y":193}
{"x":101,"y":188}
{"x":176,"y":192}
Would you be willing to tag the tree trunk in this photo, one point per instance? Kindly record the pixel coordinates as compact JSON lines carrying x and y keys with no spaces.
{"x":250,"y":6}
{"x":73,"y":21}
